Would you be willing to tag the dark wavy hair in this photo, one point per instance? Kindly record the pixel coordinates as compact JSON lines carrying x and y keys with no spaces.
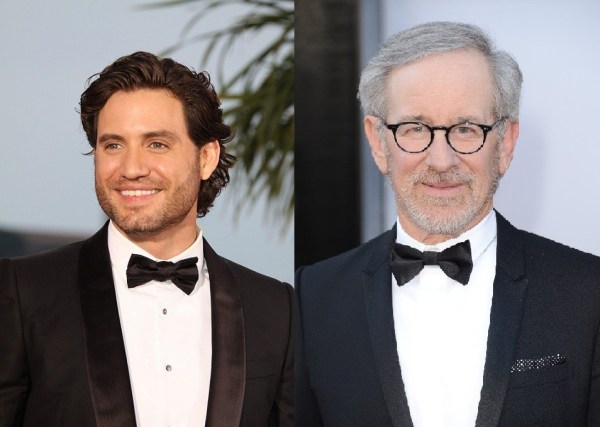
{"x":201,"y":105}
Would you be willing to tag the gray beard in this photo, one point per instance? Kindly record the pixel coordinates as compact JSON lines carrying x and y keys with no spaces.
{"x":447,"y":225}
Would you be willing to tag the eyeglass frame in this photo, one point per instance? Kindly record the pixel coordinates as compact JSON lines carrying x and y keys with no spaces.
{"x":485,"y":128}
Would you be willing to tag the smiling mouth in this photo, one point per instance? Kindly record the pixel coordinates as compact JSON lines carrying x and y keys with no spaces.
{"x":137,"y":193}
{"x":443,"y":190}
{"x":442,"y":185}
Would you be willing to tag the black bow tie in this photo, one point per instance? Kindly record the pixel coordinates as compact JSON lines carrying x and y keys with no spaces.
{"x":183,"y":274}
{"x":455,"y":261}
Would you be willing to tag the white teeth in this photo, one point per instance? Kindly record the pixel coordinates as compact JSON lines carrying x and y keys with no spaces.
{"x":138,"y":193}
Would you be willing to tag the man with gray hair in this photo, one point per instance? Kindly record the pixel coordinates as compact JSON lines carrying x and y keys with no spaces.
{"x":453,"y":317}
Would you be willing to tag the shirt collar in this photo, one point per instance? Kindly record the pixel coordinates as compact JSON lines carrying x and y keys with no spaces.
{"x":480,"y":237}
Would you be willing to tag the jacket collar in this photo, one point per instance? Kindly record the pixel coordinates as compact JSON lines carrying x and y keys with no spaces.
{"x":228,"y":376}
{"x":104,"y":348}
{"x":510,"y":287}
{"x":378,"y":302}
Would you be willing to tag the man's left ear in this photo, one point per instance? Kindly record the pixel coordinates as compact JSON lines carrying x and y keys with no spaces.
{"x":508,"y":145}
{"x":209,"y":158}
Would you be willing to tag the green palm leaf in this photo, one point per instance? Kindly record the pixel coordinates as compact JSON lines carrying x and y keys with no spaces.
{"x":258,"y":97}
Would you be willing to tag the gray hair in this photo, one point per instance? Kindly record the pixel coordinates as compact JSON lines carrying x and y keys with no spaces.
{"x":423,"y":40}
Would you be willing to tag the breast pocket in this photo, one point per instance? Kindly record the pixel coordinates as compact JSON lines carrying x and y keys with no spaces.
{"x":262,"y":378}
{"x":533,"y":377}
{"x":536,"y":397}
{"x":262,"y":367}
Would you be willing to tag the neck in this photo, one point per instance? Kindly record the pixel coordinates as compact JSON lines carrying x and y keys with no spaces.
{"x":165,"y":244}
{"x":432,"y":238}
{"x":427,"y":238}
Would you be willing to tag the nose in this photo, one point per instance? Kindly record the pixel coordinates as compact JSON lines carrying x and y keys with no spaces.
{"x":440,"y":156}
{"x":134,"y":163}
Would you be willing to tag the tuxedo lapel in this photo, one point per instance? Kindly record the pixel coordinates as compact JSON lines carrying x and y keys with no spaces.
{"x":378,"y":300}
{"x":510,"y":286}
{"x":228,"y":374}
{"x":105,"y":351}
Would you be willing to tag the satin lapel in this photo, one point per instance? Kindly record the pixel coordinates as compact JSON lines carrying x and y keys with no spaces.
{"x":378,"y":300}
{"x":510,"y":286}
{"x":228,"y":375}
{"x":105,"y":351}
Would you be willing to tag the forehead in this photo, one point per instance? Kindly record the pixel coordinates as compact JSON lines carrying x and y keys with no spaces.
{"x":442,"y":87}
{"x":144,"y":99}
{"x":147,"y":107}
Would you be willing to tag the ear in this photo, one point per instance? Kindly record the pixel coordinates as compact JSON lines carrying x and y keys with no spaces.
{"x":376,"y":144}
{"x":508,"y":146}
{"x":209,"y":158}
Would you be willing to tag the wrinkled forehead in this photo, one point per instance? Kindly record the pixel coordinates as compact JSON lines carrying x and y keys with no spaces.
{"x":453,"y":83}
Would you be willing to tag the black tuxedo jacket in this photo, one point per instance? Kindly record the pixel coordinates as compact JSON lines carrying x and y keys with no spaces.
{"x":546,"y":302}
{"x":62,"y":357}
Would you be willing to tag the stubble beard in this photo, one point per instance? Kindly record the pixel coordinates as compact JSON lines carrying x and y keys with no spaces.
{"x":450,"y":216}
{"x":143,"y":221}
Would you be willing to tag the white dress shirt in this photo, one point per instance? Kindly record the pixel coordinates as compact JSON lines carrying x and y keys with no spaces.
{"x":168,"y":339}
{"x":441,"y":331}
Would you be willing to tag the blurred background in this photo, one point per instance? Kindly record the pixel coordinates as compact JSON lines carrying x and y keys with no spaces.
{"x":50,"y":49}
{"x":550,"y":188}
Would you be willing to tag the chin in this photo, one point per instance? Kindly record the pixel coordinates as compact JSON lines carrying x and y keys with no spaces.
{"x":443,"y":219}
{"x":134,"y":224}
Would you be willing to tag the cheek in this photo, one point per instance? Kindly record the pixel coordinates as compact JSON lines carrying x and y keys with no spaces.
{"x":483,"y":164}
{"x":402,"y":164}
{"x":175,"y":171}
{"x":486,"y":173}
{"x":106,"y":167}
{"x":172,"y":172}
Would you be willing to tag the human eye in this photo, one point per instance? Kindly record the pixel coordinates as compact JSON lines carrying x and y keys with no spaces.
{"x":466,"y":132}
{"x":157,"y":145}
{"x":411,"y":129}
{"x":466,"y":129}
{"x":112,"y":146}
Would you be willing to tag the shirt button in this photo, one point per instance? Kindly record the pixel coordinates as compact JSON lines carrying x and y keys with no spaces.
{"x":164,"y":311}
{"x":168,"y":368}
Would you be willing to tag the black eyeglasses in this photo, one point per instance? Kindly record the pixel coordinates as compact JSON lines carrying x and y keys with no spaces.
{"x":464,"y":138}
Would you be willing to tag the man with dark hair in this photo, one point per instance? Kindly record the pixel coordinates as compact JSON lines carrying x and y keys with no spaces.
{"x":143,"y":323}
{"x":453,"y":317}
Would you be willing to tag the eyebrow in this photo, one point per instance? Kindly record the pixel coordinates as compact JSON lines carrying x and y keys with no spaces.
{"x":418,"y":118}
{"x":422,"y":119}
{"x":471,"y":119}
{"x":148,"y":135}
{"x":109,"y":137}
{"x":161,"y":134}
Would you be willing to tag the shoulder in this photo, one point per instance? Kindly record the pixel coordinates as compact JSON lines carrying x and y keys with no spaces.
{"x":544,"y":257}
{"x":59,"y":266}
{"x":244,"y":279}
{"x":367,"y":256}
{"x":47,"y":261}
{"x":43,"y":279}
{"x":63,"y":258}
{"x":266,"y":304}
{"x":347,"y":266}
{"x":541,"y":248}
{"x":555,"y":251}
{"x":261,"y":296}
{"x":256,"y":282}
